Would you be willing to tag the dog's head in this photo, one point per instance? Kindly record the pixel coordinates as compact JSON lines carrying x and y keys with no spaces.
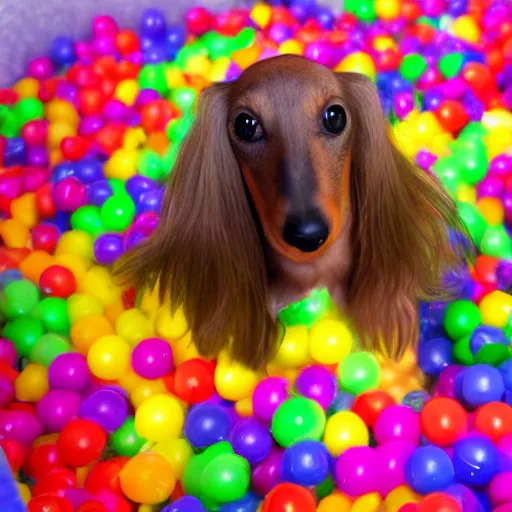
{"x":281,"y":158}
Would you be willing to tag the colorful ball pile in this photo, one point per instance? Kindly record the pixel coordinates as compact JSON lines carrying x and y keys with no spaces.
{"x":105,"y":404}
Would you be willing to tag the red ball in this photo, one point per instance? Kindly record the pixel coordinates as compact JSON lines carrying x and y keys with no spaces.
{"x":55,"y":482}
{"x":289,"y":498}
{"x":57,"y":281}
{"x":452,"y":115}
{"x":44,"y":201}
{"x":105,"y":66}
{"x":110,"y":137}
{"x":198,"y":21}
{"x":194,"y":381}
{"x":92,"y":506}
{"x":83,"y":75}
{"x":156,"y":114}
{"x":34,"y":132}
{"x":81,"y":443}
{"x":41,"y":460}
{"x":494,"y":420}
{"x":47,"y":89}
{"x":90,"y":101}
{"x":105,"y":475}
{"x":49,"y":503}
{"x":485,"y":269}
{"x":409,"y":507}
{"x":15,"y":453}
{"x":74,"y":148}
{"x":443,"y":421}
{"x":127,"y":42}
{"x":230,"y":23}
{"x":369,"y":405}
{"x":479,"y":77}
{"x":439,"y":502}
{"x":127,"y":70}
{"x":45,"y":237}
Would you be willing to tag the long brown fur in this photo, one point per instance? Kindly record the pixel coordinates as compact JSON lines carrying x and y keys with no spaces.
{"x":210,"y":253}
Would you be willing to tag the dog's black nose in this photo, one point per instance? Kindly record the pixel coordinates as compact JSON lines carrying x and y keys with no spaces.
{"x":307,"y":232}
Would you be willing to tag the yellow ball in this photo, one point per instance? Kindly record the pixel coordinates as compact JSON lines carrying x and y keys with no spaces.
{"x":147,"y":478}
{"x":77,"y":243}
{"x":466,"y":28}
{"x":233,"y":381}
{"x":387,"y":9}
{"x":77,"y":265}
{"x":261,"y":14}
{"x":291,"y":47}
{"x":145,"y":389}
{"x":109,"y":357}
{"x":98,"y":283}
{"x":32,"y":383}
{"x":57,"y":131}
{"x":134,"y":138}
{"x":159,"y":417}
{"x":127,"y":91}
{"x":174,"y":76}
{"x":367,"y":503}
{"x":184,"y":349}
{"x":133,"y":326}
{"x":466,"y":193}
{"x":335,"y":502}
{"x":492,"y":210}
{"x":176,"y":452}
{"x":81,"y":304}
{"x":198,"y":65}
{"x":219,"y":69}
{"x":495,"y":309}
{"x":24,"y":210}
{"x":294,"y":348}
{"x":399,"y":497}
{"x":171,"y":326}
{"x":345,"y":430}
{"x":149,"y":301}
{"x":426,"y":127}
{"x":122,"y":165}
{"x":498,"y":141}
{"x":24,"y":491}
{"x":382,"y":43}
{"x":27,"y":87}
{"x":358,"y":62}
{"x":330,"y":341}
{"x":58,"y":110}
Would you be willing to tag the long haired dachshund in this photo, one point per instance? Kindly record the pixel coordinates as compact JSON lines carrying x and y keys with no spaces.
{"x":289,"y":181}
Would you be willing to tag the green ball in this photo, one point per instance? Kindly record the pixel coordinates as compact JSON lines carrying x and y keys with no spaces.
{"x":9,"y":124}
{"x":125,"y":441}
{"x":450,"y":64}
{"x":150,"y":165}
{"x":325,"y":488}
{"x":245,"y":38}
{"x":364,"y":10}
{"x":449,"y":172}
{"x":308,"y":310}
{"x":226,"y":478}
{"x":413,"y":66}
{"x":53,"y":312}
{"x":359,"y":372}
{"x":88,"y":218}
{"x":169,"y":159}
{"x":473,"y":129}
{"x":298,"y":419}
{"x":28,"y":109}
{"x":493,"y":354}
{"x":19,"y":298}
{"x":474,"y":165}
{"x":117,"y":212}
{"x":462,"y":317}
{"x":184,"y":98}
{"x":48,"y":347}
{"x":152,"y":76}
{"x":178,"y":128}
{"x":496,"y":243}
{"x":462,"y":352}
{"x":473,"y":220}
{"x":24,"y":332}
{"x":117,"y":186}
{"x":217,"y":45}
{"x":188,"y":51}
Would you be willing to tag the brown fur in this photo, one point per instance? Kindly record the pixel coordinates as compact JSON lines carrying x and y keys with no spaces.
{"x":218,"y":250}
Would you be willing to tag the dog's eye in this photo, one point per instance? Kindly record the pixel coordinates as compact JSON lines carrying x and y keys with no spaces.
{"x":247,"y":128}
{"x":335,"y":119}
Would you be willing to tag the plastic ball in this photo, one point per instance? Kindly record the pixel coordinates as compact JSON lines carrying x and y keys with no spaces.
{"x":317,"y":383}
{"x":152,"y":358}
{"x":369,"y":405}
{"x":330,"y":341}
{"x":355,"y":471}
{"x":397,"y":423}
{"x":392,"y":458}
{"x":306,"y":463}
{"x":57,"y":408}
{"x":344,"y":430}
{"x":177,"y":452}
{"x":443,"y":421}
{"x":359,"y":372}
{"x":435,"y":355}
{"x":32,"y":383}
{"x":462,"y":317}
{"x":159,"y":417}
{"x":106,"y":407}
{"x":19,"y":298}
{"x":125,"y":440}
{"x":287,"y":497}
{"x":251,"y":440}
{"x":494,"y":420}
{"x":194,"y":381}
{"x":185,"y":504}
{"x":57,"y":281}
{"x":109,"y":357}
{"x":80,"y":443}
{"x":207,"y":424}
{"x":481,"y":384}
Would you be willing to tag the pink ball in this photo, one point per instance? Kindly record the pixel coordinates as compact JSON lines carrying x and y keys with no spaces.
{"x":69,"y":372}
{"x":392,"y":458}
{"x":34,"y":132}
{"x":199,"y":21}
{"x":45,"y":237}
{"x":267,"y":474}
{"x":356,"y":472}
{"x":69,"y":194}
{"x":398,"y":423}
{"x":34,"y":178}
{"x":7,"y":352}
{"x":41,"y":68}
{"x":19,"y":425}
{"x":152,"y":358}
{"x":506,"y":507}
{"x":6,"y":391}
{"x":104,"y":26}
{"x":104,"y":46}
{"x":500,"y":488}
{"x":57,"y":408}
{"x":268,"y":395}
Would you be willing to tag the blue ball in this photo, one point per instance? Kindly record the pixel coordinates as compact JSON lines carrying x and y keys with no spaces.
{"x":63,"y":170}
{"x":176,"y":37}
{"x":9,"y":276}
{"x":306,"y":463}
{"x":153,"y":24}
{"x":207,"y":424}
{"x":249,"y":503}
{"x":476,"y":460}
{"x":435,"y":355}
{"x":506,"y":374}
{"x":486,"y":335}
{"x":89,"y":170}
{"x":416,"y":400}
{"x":429,"y":469}
{"x":15,"y":152}
{"x":465,"y":497}
{"x":185,"y":504}
{"x":98,"y":192}
{"x":62,"y":51}
{"x":251,"y":440}
{"x":481,"y":384}
{"x":343,"y":401}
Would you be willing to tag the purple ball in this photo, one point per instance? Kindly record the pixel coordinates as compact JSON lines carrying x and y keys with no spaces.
{"x":6,"y":391}
{"x":57,"y":408}
{"x":116,"y":111}
{"x":445,"y":385}
{"x":500,"y":166}
{"x":106,"y":407}
{"x":108,"y":248}
{"x":90,"y":125}
{"x":317,"y":383}
{"x":37,"y":156}
{"x":397,"y":423}
{"x":185,"y":504}
{"x":252,"y":440}
{"x":8,"y":353}
{"x":268,"y":395}
{"x":356,"y":472}
{"x":392,"y":458}
{"x":152,"y":358}
{"x":20,"y":426}
{"x":279,"y":32}
{"x":490,"y":187}
{"x":69,"y":372}
{"x":207,"y":424}
{"x":145,"y":96}
{"x":137,"y":185}
{"x":425,"y":159}
{"x":268,"y":473}
{"x":98,"y":192}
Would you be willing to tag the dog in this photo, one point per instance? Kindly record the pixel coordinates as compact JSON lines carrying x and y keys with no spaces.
{"x":288,"y":181}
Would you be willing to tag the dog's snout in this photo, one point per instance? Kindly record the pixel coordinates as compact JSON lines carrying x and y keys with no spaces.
{"x":306,"y":232}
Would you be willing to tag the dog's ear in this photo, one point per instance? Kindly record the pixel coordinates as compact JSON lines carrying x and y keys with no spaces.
{"x":206,"y":254}
{"x":406,"y":234}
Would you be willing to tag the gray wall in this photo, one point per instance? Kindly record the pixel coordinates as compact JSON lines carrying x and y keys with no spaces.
{"x":28,"y":26}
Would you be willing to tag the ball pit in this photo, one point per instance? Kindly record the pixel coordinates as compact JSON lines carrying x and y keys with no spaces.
{"x":105,"y":404}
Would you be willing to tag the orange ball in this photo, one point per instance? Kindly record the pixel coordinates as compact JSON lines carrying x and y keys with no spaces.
{"x":14,"y":233}
{"x":87,"y":330}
